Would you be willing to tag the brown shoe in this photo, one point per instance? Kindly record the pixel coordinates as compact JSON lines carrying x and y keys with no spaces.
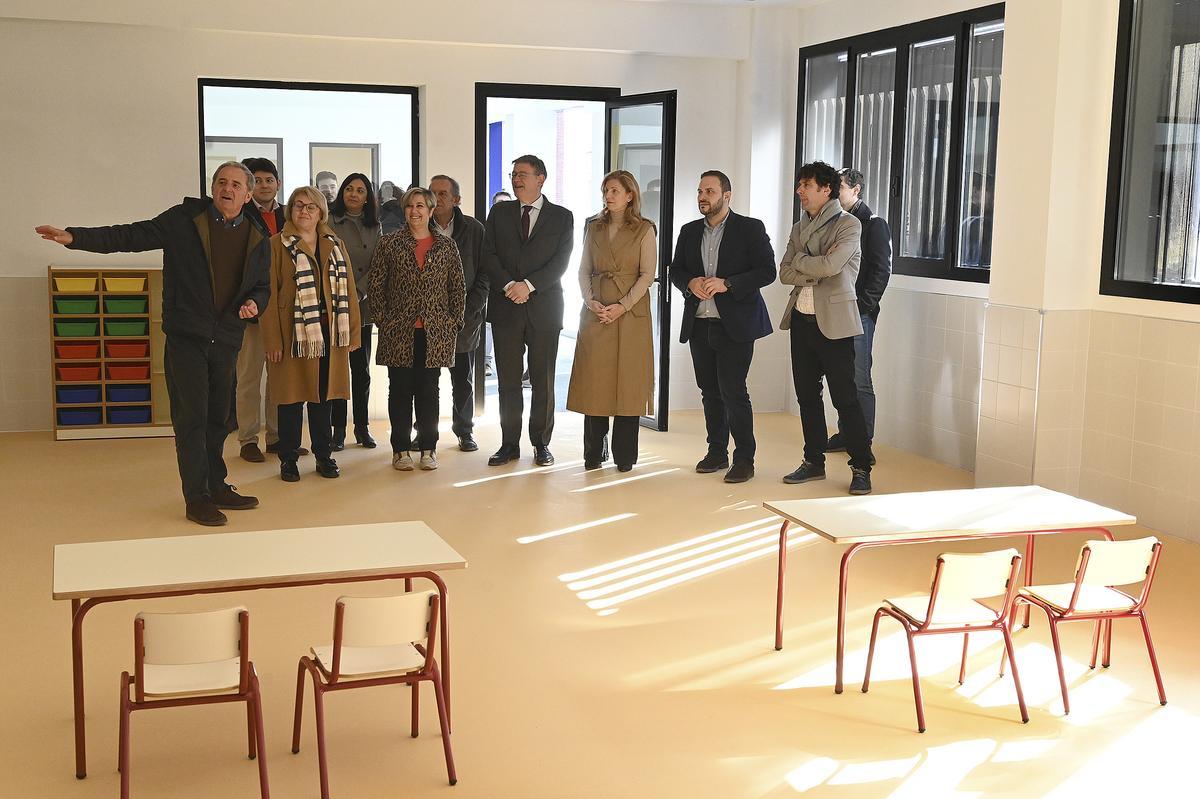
{"x":251,"y":452}
{"x":227,"y":498}
{"x":203,"y":511}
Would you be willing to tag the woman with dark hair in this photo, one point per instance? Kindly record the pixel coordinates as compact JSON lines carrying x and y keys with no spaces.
{"x":355,"y":220}
{"x":613,"y":373}
{"x":418,"y":290}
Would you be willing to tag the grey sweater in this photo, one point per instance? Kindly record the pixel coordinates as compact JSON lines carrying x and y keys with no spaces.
{"x":360,"y":249}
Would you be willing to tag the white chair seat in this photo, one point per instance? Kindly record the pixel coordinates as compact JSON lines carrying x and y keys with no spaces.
{"x":216,"y":677}
{"x":371,"y":661}
{"x":949,"y":612}
{"x":1092,"y":598}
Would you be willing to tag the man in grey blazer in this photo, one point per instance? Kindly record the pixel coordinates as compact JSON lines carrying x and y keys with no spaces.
{"x":821,"y":262}
{"x":526,"y":246}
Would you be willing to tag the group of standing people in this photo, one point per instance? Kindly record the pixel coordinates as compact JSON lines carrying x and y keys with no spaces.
{"x":300,"y":287}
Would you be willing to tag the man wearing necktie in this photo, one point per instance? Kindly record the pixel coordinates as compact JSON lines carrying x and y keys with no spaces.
{"x":526,"y":246}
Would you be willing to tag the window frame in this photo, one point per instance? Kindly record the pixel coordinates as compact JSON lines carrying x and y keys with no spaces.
{"x":1110,"y":284}
{"x":902,"y":37}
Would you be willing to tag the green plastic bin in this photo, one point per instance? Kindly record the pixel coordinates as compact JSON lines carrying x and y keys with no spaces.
{"x":76,"y":329}
{"x":75,"y":305}
{"x":125,"y":328}
{"x":124,"y":305}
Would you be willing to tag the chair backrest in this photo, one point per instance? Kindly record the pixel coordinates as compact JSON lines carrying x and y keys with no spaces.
{"x":386,"y":620}
{"x":171,"y":639}
{"x":1115,"y":562}
{"x":973,"y":575}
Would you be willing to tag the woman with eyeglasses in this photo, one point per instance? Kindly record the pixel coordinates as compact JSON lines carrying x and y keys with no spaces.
{"x":418,"y":297}
{"x":613,"y":372}
{"x":310,"y":327}
{"x":353,"y":217}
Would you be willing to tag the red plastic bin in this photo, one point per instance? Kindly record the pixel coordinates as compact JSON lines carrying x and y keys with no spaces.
{"x":129,"y":372}
{"x":124,"y":349}
{"x":80,"y":374}
{"x":76,"y":352}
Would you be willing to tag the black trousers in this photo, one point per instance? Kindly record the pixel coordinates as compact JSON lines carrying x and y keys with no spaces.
{"x":512,"y":337}
{"x":624,"y":439}
{"x":409,"y":388}
{"x":722,"y":365}
{"x":291,"y":419}
{"x":360,"y":385}
{"x":199,"y":377}
{"x":814,"y":357}
{"x":462,"y":381}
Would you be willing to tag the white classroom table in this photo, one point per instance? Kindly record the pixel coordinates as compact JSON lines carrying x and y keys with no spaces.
{"x":924,"y":516}
{"x":112,"y":571}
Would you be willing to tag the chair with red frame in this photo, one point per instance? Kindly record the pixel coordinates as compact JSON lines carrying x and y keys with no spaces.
{"x":1092,"y":597}
{"x":376,"y":641}
{"x":199,"y":658}
{"x":953,"y":605}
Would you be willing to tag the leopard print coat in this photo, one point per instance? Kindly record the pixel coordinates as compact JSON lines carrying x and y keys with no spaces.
{"x":401,"y":292}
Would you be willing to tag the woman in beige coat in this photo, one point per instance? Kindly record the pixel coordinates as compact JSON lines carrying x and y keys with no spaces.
{"x":613,"y":373}
{"x":309,"y":328}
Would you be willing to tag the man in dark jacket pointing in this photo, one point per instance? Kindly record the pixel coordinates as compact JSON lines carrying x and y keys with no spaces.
{"x":215,"y":277}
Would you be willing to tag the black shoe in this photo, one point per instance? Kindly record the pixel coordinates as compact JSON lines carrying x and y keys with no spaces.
{"x":591,"y":465}
{"x":624,"y":467}
{"x":227,"y":497}
{"x":713,"y":462}
{"x":364,"y":438}
{"x":327,"y":467}
{"x":836,"y":444}
{"x":740,"y":472}
{"x":339,"y":439}
{"x":860,"y":482}
{"x":203,"y":511}
{"x":467,"y":443}
{"x":804,"y":473}
{"x":506,"y":453}
{"x":274,"y":450}
{"x":288,"y":471}
{"x":542,"y":456}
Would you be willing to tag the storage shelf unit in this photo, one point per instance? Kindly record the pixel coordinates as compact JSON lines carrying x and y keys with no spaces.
{"x":87,"y":363}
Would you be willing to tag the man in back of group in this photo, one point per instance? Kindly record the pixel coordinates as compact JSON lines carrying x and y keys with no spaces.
{"x":721,"y":262}
{"x":821,"y":262}
{"x":874,"y":269}
{"x":215,"y":277}
{"x":467,"y":232}
{"x":526,"y":248}
{"x":326,"y":183}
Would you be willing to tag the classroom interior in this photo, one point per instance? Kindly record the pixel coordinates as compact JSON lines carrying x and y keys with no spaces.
{"x":613,"y":632}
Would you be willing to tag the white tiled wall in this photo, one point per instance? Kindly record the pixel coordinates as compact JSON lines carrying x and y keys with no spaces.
{"x":1008,"y":396}
{"x":927,"y":354}
{"x":1141,"y":436}
{"x":1061,"y":394}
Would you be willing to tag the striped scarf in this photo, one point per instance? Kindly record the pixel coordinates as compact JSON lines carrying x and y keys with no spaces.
{"x":306,"y":315}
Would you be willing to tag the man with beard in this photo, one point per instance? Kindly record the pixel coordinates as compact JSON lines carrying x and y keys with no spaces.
{"x":721,"y":262}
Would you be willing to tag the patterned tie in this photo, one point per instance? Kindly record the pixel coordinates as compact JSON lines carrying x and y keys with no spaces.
{"x":525,"y":209}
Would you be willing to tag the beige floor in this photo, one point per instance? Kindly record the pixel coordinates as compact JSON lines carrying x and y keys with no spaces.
{"x":662,"y":683}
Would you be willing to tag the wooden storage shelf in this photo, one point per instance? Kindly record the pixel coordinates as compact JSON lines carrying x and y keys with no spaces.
{"x":147,"y":299}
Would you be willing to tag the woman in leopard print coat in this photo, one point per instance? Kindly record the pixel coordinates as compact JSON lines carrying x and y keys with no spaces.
{"x":418,"y":298}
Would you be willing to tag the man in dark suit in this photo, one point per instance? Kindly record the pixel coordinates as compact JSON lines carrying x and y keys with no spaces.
{"x":526,"y":246}
{"x":874,"y":270}
{"x":721,"y":262}
{"x":448,"y":219}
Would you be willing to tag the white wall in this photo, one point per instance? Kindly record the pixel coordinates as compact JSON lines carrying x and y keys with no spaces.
{"x":104,"y":118}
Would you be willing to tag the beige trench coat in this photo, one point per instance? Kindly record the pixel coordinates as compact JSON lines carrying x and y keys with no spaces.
{"x":298,"y":379}
{"x":613,"y":373}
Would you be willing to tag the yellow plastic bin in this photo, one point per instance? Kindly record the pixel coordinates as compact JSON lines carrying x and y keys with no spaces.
{"x":75,"y":285}
{"x":125,"y":283}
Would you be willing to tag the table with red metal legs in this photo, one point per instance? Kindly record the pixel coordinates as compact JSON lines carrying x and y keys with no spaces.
{"x":91,"y":574}
{"x":971,"y":514}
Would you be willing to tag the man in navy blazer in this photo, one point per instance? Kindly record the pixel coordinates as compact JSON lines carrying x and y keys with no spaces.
{"x":721,"y":262}
{"x":527,"y":245}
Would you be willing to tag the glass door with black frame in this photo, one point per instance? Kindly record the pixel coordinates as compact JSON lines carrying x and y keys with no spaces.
{"x":640,"y":138}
